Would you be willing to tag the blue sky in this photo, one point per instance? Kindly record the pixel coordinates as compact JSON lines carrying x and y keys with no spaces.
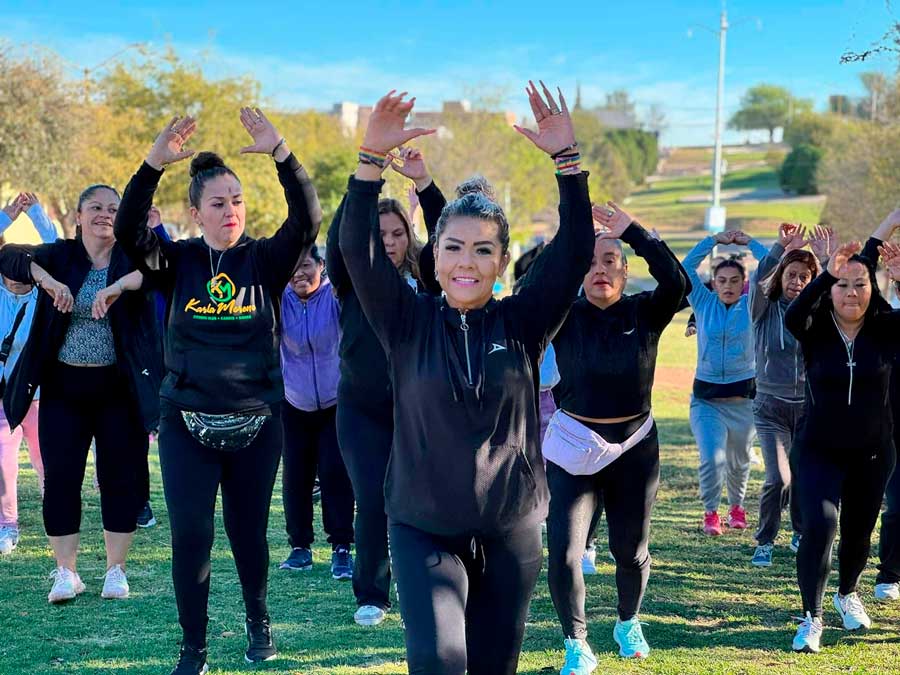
{"x":312,"y":54}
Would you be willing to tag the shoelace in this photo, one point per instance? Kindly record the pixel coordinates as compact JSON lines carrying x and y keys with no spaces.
{"x":114,"y":573}
{"x":574,"y":653}
{"x":807,"y":626}
{"x":852,"y":604}
{"x":634,"y":635}
{"x":764,"y":548}
{"x":60,"y":574}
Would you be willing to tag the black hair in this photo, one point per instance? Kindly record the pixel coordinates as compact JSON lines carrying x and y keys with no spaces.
{"x":475,"y":199}
{"x":89,"y":191}
{"x":204,"y":167}
{"x":313,"y":252}
{"x":730,"y":262}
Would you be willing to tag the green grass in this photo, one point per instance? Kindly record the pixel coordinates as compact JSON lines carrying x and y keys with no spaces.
{"x":707,"y":610}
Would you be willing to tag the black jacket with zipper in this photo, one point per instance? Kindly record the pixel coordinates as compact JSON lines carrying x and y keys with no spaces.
{"x":466,"y":457}
{"x":221,"y":351}
{"x":132,"y":319}
{"x":364,"y":367}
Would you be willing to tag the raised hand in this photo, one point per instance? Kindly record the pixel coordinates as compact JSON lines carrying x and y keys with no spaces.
{"x":890,"y":256}
{"x":822,"y":242}
{"x":14,"y":206}
{"x":412,"y":166}
{"x":888,"y":225}
{"x":63,"y":300}
{"x":555,"y":131}
{"x":154,"y":218}
{"x":726,"y":237}
{"x":169,"y":145}
{"x":839,"y":259}
{"x":264,"y":134}
{"x":385,"y":130}
{"x":29,"y":199}
{"x":612,"y":220}
{"x":791,"y":237}
{"x":740,"y":238}
{"x":413,"y":197}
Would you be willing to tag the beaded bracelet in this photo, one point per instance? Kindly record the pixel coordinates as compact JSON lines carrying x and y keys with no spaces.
{"x":369,"y":156}
{"x":568,"y":164}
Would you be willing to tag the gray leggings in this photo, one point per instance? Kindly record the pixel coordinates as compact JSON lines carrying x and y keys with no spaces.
{"x":723,"y":429}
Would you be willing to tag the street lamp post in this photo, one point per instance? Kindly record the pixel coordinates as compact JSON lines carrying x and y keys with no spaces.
{"x":715,"y":214}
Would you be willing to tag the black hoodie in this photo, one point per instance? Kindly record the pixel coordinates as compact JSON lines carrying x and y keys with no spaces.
{"x":466,"y":456}
{"x":221,"y":352}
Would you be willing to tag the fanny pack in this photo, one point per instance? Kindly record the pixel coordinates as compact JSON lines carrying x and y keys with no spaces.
{"x":581,"y":451}
{"x":228,"y":433}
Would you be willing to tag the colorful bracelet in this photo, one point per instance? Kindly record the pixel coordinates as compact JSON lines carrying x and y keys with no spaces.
{"x":568,"y":150}
{"x":568,"y":163}
{"x":369,"y":156}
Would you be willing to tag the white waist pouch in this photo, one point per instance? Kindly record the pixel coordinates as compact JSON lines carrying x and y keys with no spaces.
{"x":582,"y":452}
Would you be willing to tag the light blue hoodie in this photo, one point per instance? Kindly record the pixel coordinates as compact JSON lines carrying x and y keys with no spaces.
{"x":725,"y":349}
{"x":10,"y":303}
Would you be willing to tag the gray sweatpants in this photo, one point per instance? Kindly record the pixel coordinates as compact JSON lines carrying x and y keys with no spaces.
{"x":723,"y":429}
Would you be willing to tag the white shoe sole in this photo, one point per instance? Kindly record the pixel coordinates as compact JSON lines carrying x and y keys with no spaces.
{"x":622,"y":654}
{"x":369,"y":622}
{"x":882,"y":597}
{"x":761,"y":564}
{"x":61,"y":599}
{"x":149,"y":523}
{"x":115,"y":596}
{"x":271,"y":658}
{"x":804,"y":650}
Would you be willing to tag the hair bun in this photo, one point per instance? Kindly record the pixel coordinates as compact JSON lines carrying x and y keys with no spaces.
{"x":204,"y":161}
{"x":476,"y":184}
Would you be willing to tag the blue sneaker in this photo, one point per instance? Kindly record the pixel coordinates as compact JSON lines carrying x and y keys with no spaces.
{"x":630,"y":638}
{"x":795,"y":541}
{"x":341,"y":564}
{"x":763,"y":556}
{"x":580,"y":660}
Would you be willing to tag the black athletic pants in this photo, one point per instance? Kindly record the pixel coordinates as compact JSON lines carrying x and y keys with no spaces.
{"x":852,"y":485}
{"x":310,"y":446}
{"x":78,"y":404}
{"x":365,"y":437}
{"x":889,"y":548}
{"x":191,"y":475}
{"x":627,"y":489}
{"x":464,"y":600}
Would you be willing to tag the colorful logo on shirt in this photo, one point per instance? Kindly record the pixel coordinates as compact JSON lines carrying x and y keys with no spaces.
{"x":223,"y":306}
{"x":220,"y":288}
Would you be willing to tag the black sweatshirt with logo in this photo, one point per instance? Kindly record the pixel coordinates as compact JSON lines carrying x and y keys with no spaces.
{"x":364,"y":366}
{"x":466,"y":458}
{"x":607,"y":357}
{"x":221,"y":343}
{"x":846,"y":409}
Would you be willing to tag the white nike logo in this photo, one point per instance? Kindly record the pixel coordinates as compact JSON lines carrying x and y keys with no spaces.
{"x":496,"y":348}
{"x":628,"y":332}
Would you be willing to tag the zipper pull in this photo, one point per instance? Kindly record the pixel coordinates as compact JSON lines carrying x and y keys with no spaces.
{"x":463,"y":326}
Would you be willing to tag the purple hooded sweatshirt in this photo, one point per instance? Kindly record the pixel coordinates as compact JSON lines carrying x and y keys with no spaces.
{"x":310,"y":336}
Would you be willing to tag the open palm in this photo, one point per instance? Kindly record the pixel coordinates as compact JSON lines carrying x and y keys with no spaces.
{"x":169,"y":145}
{"x":265,"y":135}
{"x":555,"y":131}
{"x":385,"y":130}
{"x":890,"y":256}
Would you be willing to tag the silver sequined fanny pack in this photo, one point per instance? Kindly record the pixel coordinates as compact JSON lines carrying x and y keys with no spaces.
{"x":228,"y":432}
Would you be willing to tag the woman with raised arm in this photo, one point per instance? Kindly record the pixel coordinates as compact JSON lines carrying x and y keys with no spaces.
{"x":365,"y":421}
{"x":98,"y":374}
{"x":223,"y":389}
{"x":848,"y":338}
{"x":724,"y":385}
{"x":601,"y":446}
{"x":465,"y":491}
{"x":780,"y":379}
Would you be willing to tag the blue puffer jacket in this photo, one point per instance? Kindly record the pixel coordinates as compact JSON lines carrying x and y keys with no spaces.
{"x":725,"y":347}
{"x":310,"y":337}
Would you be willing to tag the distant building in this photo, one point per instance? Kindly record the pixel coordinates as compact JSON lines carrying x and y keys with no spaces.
{"x":353,"y":116}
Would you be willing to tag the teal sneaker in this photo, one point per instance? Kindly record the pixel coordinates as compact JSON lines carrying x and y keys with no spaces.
{"x":763,"y":556}
{"x":580,"y":660}
{"x":630,"y":638}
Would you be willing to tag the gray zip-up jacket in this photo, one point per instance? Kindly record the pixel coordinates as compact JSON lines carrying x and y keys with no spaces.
{"x":779,"y":359}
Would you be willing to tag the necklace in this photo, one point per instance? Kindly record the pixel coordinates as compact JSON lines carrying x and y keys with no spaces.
{"x":849,"y":345}
{"x":214,"y":272}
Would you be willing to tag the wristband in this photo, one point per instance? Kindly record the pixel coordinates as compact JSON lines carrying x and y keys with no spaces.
{"x":568,"y":164}
{"x":278,"y":145}
{"x":568,"y":150}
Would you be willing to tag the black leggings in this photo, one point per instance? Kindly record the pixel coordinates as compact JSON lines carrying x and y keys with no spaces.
{"x":627,"y":489}
{"x":464,"y":600}
{"x":191,"y":475}
{"x":365,"y":437}
{"x":853,"y":484}
{"x":889,"y":548}
{"x":310,"y":445}
{"x":77,"y":404}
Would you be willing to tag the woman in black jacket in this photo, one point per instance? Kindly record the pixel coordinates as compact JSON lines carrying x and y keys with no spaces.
{"x":848,"y":338}
{"x":465,"y":491}
{"x":364,"y":409}
{"x":222,"y":391}
{"x":99,"y":374}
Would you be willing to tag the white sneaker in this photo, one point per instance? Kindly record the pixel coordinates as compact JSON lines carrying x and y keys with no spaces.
{"x":66,"y":585}
{"x":9,"y":539}
{"x":115,"y":585}
{"x":887,"y":592}
{"x":809,"y":635}
{"x":589,"y":561}
{"x":852,"y":612}
{"x":369,"y":615}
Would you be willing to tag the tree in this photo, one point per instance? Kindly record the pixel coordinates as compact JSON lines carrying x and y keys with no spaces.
{"x":873,"y":106}
{"x":798,"y":171}
{"x":840,"y":104}
{"x":767,"y":106}
{"x":619,"y":100}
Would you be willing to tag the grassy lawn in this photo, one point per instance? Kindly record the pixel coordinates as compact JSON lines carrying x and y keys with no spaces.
{"x":707,"y":609}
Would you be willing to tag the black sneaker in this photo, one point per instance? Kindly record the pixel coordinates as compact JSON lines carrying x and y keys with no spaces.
{"x":191,"y":661}
{"x":145,"y":517}
{"x":341,"y":564}
{"x":259,"y":637}
{"x":298,"y":559}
